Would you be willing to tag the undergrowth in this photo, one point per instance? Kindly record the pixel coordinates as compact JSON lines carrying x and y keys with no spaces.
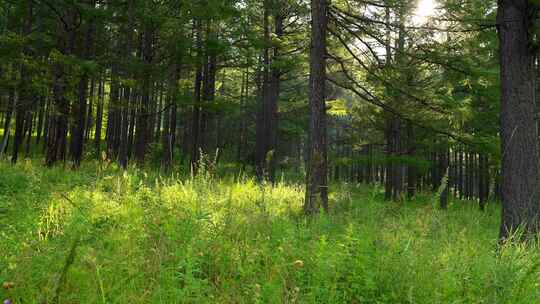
{"x":100,"y":235}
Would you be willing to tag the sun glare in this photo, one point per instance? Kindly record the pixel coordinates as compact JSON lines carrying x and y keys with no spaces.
{"x":424,"y":10}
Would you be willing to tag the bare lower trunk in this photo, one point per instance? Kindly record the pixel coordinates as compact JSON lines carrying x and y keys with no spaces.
{"x":519,"y":129}
{"x":25,"y":97}
{"x":443,"y":169}
{"x":483,"y":181}
{"x":58,"y":125}
{"x":411,"y":170}
{"x":7,"y":121}
{"x":142,"y":131}
{"x":169,"y":121}
{"x":317,"y":186}
{"x":99,"y":118}
{"x":196,"y":111}
{"x":267,"y":118}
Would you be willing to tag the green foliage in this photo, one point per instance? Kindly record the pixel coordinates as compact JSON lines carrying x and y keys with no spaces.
{"x":150,"y":239}
{"x":337,"y":108}
{"x":535,"y":2}
{"x":381,"y":159}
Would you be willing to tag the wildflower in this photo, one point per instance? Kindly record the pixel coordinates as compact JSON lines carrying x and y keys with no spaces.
{"x":8,"y":301}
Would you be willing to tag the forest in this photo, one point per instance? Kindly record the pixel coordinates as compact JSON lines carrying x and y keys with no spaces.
{"x":269,"y":151}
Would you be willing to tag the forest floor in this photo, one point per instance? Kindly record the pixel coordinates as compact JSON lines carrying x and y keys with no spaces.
{"x":98,"y":235}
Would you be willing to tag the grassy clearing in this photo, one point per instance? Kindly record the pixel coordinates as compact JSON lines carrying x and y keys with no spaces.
{"x":103,"y":236}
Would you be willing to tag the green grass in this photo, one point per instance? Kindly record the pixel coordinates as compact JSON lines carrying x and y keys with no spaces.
{"x":137,"y":238}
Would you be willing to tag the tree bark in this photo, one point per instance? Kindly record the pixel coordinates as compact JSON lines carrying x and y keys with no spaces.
{"x":208,"y":96}
{"x":461,"y":187}
{"x":519,"y":128}
{"x":41,"y":114}
{"x":483,"y":181}
{"x":80,"y":108}
{"x":317,"y":185}
{"x":113,"y":115}
{"x":58,"y":126}
{"x":25,"y":97}
{"x":29,"y":126}
{"x":196,"y":113}
{"x":266,"y":138}
{"x":443,"y":182}
{"x":169,"y":120}
{"x":99,"y":118}
{"x":7,"y":121}
{"x":411,"y":170}
{"x":126,"y":53}
{"x":142,"y":131}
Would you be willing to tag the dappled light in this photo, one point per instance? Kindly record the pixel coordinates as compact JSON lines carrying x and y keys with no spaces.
{"x":150,"y":239}
{"x":269,"y":151}
{"x":424,"y":10}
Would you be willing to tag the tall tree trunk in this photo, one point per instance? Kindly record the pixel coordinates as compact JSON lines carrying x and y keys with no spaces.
{"x":133,"y":115}
{"x":275,"y":89}
{"x":142,"y":131}
{"x":25,"y":97}
{"x":41,"y":114}
{"x":397,"y":183}
{"x":519,"y":128}
{"x":77,"y":129}
{"x":266,"y":139}
{"x":99,"y":117}
{"x":113,"y":115}
{"x":261,"y":139}
{"x":9,"y":113}
{"x":79,"y":113}
{"x":411,"y":170}
{"x":454,"y":171}
{"x":89,"y":120}
{"x":389,"y":120}
{"x":443,"y":169}
{"x":196,"y":114}
{"x":169,"y":120}
{"x":435,"y":172}
{"x":123,"y":149}
{"x":461,"y":187}
{"x":397,"y":175}
{"x":468,"y":176}
{"x":126,"y":53}
{"x":208,"y":96}
{"x":47,"y":123}
{"x":244,"y":93}
{"x":484,"y":181}
{"x":159,"y":113}
{"x":29,"y":127}
{"x":57,"y":135}
{"x":389,"y":165}
{"x":154,"y":99}
{"x":317,"y":184}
